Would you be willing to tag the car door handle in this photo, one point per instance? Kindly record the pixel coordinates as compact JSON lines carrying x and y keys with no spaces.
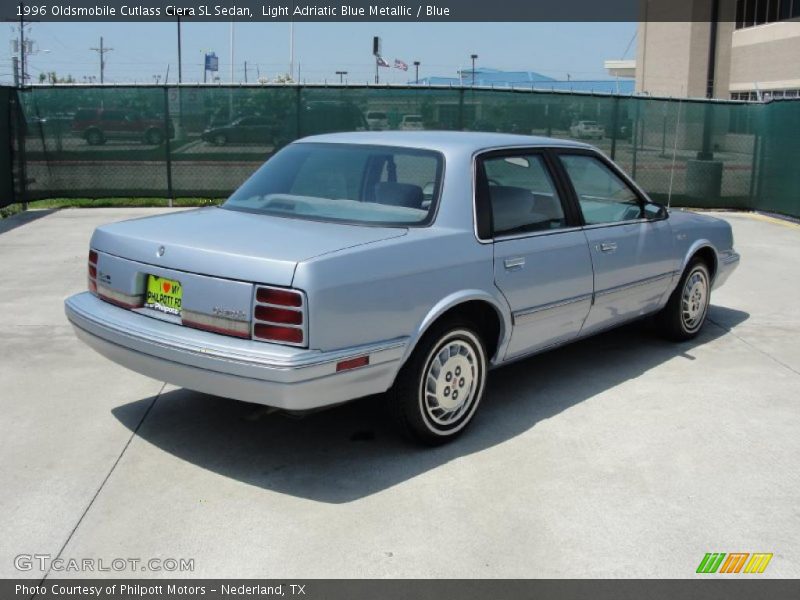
{"x":607,"y":247}
{"x":514,"y":264}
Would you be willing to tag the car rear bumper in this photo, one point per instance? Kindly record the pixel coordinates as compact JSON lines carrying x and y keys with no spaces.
{"x":726,"y":265}
{"x":270,"y":374}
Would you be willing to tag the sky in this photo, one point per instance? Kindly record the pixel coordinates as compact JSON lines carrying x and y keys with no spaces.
{"x":144,"y":50}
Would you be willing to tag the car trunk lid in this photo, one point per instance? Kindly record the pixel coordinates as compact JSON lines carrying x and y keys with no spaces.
{"x":231,"y":244}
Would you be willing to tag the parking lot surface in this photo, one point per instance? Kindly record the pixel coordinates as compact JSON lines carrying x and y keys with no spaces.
{"x":618,"y":456}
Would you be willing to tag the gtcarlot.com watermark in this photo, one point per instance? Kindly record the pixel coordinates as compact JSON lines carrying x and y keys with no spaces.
{"x":46,"y":562}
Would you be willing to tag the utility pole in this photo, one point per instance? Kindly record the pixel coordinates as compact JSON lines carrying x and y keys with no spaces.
{"x":341,"y":75}
{"x":23,"y":49}
{"x":102,"y":51}
{"x":180,"y":66}
{"x":22,"y":43}
{"x":473,"y":57}
{"x":15,"y":67}
{"x":231,"y":36}
{"x":179,"y":121}
{"x":291,"y":51}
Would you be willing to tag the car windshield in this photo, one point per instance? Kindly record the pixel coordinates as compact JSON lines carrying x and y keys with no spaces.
{"x":376,"y":115}
{"x":413,"y":119}
{"x":351,"y":183}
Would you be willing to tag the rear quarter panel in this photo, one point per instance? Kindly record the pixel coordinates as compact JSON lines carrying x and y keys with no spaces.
{"x":393,"y":288}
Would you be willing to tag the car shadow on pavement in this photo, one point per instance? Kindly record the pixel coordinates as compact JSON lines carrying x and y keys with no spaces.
{"x":23,"y":218}
{"x":352,"y":451}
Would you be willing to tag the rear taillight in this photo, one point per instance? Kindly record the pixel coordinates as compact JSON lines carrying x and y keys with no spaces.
{"x":280,"y":315}
{"x":104,"y":292}
{"x":278,"y":297}
{"x":93,"y":271}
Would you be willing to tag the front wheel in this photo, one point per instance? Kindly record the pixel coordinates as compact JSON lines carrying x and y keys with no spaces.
{"x":439,"y":389}
{"x":685,"y":312}
{"x":154,"y":137}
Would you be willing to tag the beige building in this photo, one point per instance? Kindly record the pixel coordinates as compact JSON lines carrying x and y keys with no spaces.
{"x":755,"y":54}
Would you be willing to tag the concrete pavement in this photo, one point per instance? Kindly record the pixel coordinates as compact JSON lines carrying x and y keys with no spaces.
{"x":619,"y":456}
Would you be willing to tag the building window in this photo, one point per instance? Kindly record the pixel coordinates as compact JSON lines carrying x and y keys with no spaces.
{"x":757,"y":12}
{"x":765,"y":95}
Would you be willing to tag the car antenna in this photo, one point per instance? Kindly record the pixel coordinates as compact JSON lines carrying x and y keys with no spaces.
{"x":674,"y":149}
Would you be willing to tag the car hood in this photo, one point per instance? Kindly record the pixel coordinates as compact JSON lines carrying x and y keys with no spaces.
{"x":232,"y":244}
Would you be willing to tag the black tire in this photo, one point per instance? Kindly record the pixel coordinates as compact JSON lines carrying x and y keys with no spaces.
{"x":685,"y":312}
{"x":414,"y":408}
{"x":95,"y":137}
{"x":154,"y":137}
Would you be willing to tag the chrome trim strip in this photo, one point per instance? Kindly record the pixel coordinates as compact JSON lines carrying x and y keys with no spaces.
{"x":640,"y":282}
{"x":528,"y":314}
{"x":136,"y":301}
{"x":617,"y":223}
{"x":518,"y":236}
{"x":216,"y":322}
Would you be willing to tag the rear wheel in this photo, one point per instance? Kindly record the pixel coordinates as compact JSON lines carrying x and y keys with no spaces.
{"x":685,"y":313}
{"x":95,"y":137}
{"x":439,"y":389}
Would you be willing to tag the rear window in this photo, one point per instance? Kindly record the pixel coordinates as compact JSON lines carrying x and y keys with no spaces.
{"x":352,"y":183}
{"x":85,"y":114}
{"x":413,"y":119}
{"x":376,"y":115}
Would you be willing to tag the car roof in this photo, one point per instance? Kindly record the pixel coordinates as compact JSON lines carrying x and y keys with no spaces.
{"x":443,"y":141}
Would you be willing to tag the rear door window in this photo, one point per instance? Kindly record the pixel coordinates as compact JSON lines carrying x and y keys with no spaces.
{"x":522,"y":195}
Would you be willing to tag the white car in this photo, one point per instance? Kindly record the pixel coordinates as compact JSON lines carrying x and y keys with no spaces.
{"x":377,"y":120}
{"x":587,"y":129}
{"x":411,"y":123}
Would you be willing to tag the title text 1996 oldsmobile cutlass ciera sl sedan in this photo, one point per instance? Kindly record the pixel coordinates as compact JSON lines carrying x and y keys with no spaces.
{"x":410,"y":262}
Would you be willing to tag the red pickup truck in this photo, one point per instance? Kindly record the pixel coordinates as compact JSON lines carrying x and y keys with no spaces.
{"x":97,"y":125}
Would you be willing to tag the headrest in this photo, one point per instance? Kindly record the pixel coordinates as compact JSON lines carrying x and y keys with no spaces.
{"x":399,"y":194}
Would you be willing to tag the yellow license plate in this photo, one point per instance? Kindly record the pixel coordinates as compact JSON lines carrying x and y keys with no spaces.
{"x":164,"y":294}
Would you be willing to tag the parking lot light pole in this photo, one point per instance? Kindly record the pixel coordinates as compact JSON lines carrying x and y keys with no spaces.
{"x":473,"y":57}
{"x":341,"y":75}
{"x":416,"y":72}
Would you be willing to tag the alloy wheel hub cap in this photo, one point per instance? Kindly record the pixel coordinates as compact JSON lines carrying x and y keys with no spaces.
{"x":694,"y":299}
{"x":450,"y":381}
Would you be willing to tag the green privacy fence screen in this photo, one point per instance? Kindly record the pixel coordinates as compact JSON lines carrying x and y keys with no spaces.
{"x":84,"y":141}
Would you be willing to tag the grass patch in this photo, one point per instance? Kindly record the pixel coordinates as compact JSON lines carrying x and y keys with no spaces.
{"x":10,"y":210}
{"x":120,"y":202}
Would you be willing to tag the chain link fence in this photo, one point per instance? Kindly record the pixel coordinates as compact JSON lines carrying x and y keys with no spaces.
{"x":170,"y":141}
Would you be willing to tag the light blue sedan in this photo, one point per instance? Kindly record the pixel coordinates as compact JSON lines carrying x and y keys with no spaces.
{"x":402,"y":262}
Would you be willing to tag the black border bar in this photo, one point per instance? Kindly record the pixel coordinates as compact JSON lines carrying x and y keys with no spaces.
{"x":368,"y":10}
{"x":713,"y":587}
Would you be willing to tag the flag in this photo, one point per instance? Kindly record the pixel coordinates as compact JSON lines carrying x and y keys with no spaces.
{"x":382,"y":62}
{"x":399,"y":64}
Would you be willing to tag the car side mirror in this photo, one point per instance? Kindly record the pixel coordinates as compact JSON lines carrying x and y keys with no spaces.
{"x":655,"y":212}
